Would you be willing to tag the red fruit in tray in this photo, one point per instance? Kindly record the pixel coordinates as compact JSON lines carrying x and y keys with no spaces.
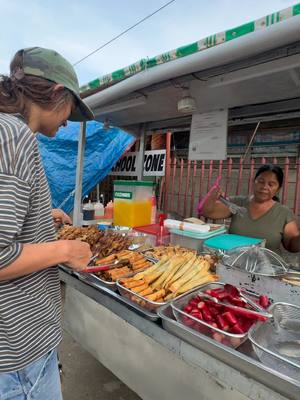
{"x":230,"y":317}
{"x":237,"y":329}
{"x":236,"y":301}
{"x":246,"y":324}
{"x":187,"y":321}
{"x":214,"y":312}
{"x":239,"y":312}
{"x":213,"y":292}
{"x":222,"y":323}
{"x":188,"y":308}
{"x":194,"y":302}
{"x":211,"y":303}
{"x":201,"y":305}
{"x":194,"y":311}
{"x":207,"y":317}
{"x":218,"y":336}
{"x":264,"y":301}
{"x":221,"y":296}
{"x":198,"y":315}
{"x":235,"y":342}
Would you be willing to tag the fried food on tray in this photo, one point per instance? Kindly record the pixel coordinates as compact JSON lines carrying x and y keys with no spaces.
{"x":160,"y":251}
{"x":102,"y":243}
{"x":169,"y":278}
{"x":134,"y":262}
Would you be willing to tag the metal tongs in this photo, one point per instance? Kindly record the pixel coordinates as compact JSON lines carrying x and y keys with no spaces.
{"x":106,"y":267}
{"x":234,"y":209}
{"x":256,"y":310}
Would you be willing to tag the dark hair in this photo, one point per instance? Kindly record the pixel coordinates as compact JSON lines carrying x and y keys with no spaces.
{"x":276,"y":170}
{"x":15,"y":90}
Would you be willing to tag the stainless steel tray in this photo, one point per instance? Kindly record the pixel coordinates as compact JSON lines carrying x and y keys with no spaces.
{"x":243,"y":359}
{"x":93,"y":278}
{"x":189,"y":335}
{"x":113,"y":294}
{"x":230,"y":339}
{"x":135,"y":298}
{"x":101,"y":282}
{"x":277,"y":342}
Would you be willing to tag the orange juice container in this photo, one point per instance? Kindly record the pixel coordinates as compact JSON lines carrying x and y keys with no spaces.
{"x":132,"y":203}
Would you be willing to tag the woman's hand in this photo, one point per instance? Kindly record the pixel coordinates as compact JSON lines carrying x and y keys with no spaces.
{"x":291,"y":237}
{"x":60,"y":217}
{"x":213,"y":208}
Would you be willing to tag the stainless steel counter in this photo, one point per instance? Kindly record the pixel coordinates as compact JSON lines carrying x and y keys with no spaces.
{"x":157,"y":364}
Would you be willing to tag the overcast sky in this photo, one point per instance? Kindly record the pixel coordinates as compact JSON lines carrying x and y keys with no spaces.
{"x":75,"y":28}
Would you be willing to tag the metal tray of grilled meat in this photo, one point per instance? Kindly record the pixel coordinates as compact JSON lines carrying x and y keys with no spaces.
{"x":96,"y":281}
{"x":115,"y":295}
{"x":277,"y":342}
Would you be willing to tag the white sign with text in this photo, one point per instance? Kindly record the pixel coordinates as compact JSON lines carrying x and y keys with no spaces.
{"x":208,"y":138}
{"x":154,"y":164}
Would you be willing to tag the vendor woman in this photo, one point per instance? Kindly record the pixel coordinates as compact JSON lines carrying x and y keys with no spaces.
{"x":265,"y":218}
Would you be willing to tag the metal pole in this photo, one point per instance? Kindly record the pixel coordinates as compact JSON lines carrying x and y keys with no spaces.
{"x":77,"y":214}
{"x":251,"y":140}
{"x":168,"y":170}
{"x":140,"y":163}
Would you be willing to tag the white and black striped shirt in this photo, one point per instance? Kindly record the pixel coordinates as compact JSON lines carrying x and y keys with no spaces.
{"x":30,"y":307}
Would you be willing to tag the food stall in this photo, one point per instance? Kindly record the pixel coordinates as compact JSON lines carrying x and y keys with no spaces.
{"x":151,"y":341}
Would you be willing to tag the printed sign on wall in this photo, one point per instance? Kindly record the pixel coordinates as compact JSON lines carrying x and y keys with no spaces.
{"x":208,"y":138}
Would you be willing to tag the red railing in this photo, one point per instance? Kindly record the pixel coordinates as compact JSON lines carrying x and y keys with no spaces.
{"x":185,"y":182}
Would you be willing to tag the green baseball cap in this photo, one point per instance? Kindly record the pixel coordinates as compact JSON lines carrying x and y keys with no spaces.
{"x":49,"y":64}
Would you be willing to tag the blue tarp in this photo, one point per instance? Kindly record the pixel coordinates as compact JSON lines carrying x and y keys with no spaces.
{"x":103,"y":149}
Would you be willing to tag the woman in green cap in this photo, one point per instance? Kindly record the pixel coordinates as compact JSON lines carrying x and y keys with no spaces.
{"x":40,"y":95}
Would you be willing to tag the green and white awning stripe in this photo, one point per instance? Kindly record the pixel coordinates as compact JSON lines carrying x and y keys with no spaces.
{"x":203,"y":44}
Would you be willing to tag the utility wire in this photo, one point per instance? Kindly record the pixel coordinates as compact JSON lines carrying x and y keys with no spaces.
{"x":123,"y":33}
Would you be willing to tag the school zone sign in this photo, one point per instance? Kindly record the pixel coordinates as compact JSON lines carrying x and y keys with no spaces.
{"x":154,"y":164}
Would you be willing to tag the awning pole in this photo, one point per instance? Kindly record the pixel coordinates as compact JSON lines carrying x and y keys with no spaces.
{"x":77,"y":214}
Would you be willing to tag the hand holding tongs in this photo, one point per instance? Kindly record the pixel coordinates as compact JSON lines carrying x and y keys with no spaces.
{"x":234,"y":209}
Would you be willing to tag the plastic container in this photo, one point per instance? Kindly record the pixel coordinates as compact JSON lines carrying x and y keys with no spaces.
{"x":157,"y":235}
{"x":99,"y":210}
{"x":132,"y":203}
{"x":103,"y":225}
{"x":88,"y":211}
{"x":109,"y":210}
{"x":227,"y":242}
{"x":192,"y":240}
{"x":154,"y":209}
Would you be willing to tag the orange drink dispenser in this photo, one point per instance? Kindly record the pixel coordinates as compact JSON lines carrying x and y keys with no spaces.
{"x":132,"y":203}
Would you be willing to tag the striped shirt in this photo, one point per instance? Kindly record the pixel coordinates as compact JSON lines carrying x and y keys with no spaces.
{"x":30,"y":306}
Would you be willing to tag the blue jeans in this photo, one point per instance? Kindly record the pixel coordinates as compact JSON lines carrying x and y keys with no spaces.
{"x":38,"y":381}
